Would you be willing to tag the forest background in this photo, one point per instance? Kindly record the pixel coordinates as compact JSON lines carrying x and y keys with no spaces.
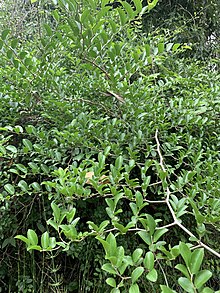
{"x":109,"y":149}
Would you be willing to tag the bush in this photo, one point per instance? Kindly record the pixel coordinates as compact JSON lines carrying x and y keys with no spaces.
{"x":109,"y":158}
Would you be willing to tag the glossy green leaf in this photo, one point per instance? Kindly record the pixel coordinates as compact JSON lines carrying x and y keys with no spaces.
{"x":36,"y":186}
{"x":14,"y":43}
{"x":128,"y":9}
{"x":152,"y":275}
{"x":111,"y":240}
{"x":56,"y":211}
{"x":165,"y":289}
{"x":201,"y":278}
{"x":138,"y":5}
{"x":48,"y":30}
{"x":186,"y":284}
{"x":137,"y":254}
{"x":161,"y":47}
{"x":23,"y":185}
{"x":115,"y":290}
{"x":5,"y":34}
{"x":158,"y":233}
{"x":45,"y":240}
{"x":134,"y":288}
{"x":22,"y":168}
{"x":122,"y":15}
{"x":108,"y":268}
{"x":34,"y":247}
{"x":149,"y":260}
{"x":56,"y":15}
{"x":151,"y":224}
{"x":175,"y":47}
{"x":27,"y":143}
{"x":11,"y":148}
{"x":32,"y":236}
{"x":145,"y":237}
{"x":185,"y":253}
{"x":23,"y":238}
{"x":183,"y":270}
{"x":209,"y":290}
{"x":135,"y":275}
{"x":9,"y":188}
{"x":196,"y":260}
{"x":111,"y":282}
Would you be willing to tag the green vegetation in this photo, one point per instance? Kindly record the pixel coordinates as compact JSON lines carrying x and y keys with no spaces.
{"x":109,"y":147}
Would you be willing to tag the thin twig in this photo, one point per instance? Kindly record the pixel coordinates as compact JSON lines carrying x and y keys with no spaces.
{"x":97,"y":66}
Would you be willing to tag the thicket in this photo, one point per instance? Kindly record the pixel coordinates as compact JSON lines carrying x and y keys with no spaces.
{"x":109,"y":150}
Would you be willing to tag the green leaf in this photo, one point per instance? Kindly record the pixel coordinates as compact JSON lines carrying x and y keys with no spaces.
{"x":48,"y":30}
{"x":113,"y":27}
{"x":209,"y":290}
{"x":186,"y":284}
{"x":136,"y":274}
{"x":34,"y":167}
{"x":5,"y":34}
{"x":33,"y":1}
{"x":120,"y":227}
{"x":23,"y":238}
{"x":108,"y":268}
{"x":152,"y":4}
{"x":183,"y":270}
{"x":27,"y":143}
{"x":166,"y":289}
{"x":175,"y":47}
{"x":196,"y":260}
{"x":149,"y":260}
{"x":145,"y":237}
{"x":9,"y":188}
{"x":14,"y":43}
{"x":185,"y":253}
{"x":137,"y":254}
{"x":52,"y":242}
{"x":22,"y":168}
{"x":70,"y":215}
{"x":139,"y":199}
{"x":56,"y":211}
{"x":158,"y":233}
{"x":152,"y":275}
{"x":118,"y":162}
{"x":34,"y":247}
{"x":53,"y":224}
{"x":134,"y":288}
{"x":11,"y":148}
{"x":122,"y":16}
{"x":32,"y":236}
{"x":36,"y":186}
{"x":45,"y":240}
{"x":151,"y":224}
{"x":111,"y":282}
{"x":115,"y":290}
{"x":105,"y":245}
{"x":111,"y":240}
{"x":128,"y":9}
{"x":160,"y":48}
{"x":23,"y":185}
{"x":56,"y":15}
{"x":138,"y":5}
{"x":201,"y":278}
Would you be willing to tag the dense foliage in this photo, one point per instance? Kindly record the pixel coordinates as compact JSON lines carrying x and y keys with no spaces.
{"x":109,"y":162}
